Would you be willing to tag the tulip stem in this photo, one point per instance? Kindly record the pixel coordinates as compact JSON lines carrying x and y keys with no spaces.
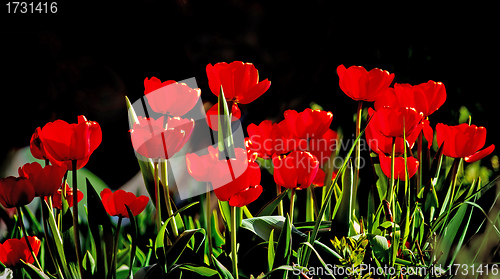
{"x":117,"y":240}
{"x":75,"y":216}
{"x":358,"y":144}
{"x":417,"y":187}
{"x":234,"y":254}
{"x":166,"y":195}
{"x":45,"y":233}
{"x":157,"y":196}
{"x":292,"y":202}
{"x":208,"y":209}
{"x":280,"y":204}
{"x":393,"y":155}
{"x":23,"y":229}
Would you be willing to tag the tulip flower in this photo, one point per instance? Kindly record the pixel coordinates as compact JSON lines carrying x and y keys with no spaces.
{"x":213,"y":116}
{"x":463,"y":141}
{"x":425,"y":97}
{"x":155,"y":139}
{"x":380,"y":143}
{"x":295,"y":170}
{"x":16,"y":191}
{"x":236,"y":180}
{"x":114,"y":202}
{"x":57,"y":197}
{"x":36,"y":145}
{"x":261,"y":138}
{"x":399,"y":166}
{"x":12,"y":251}
{"x":240,"y":81}
{"x":308,"y":123}
{"x":45,"y":180}
{"x":396,"y":122}
{"x":170,"y":97}
{"x":361,"y":85}
{"x":322,"y":147}
{"x":199,"y":166}
{"x":64,"y":142}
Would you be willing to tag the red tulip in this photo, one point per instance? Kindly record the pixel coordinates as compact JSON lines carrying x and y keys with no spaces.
{"x":45,"y":180}
{"x":362,"y":85}
{"x":246,"y":196}
{"x":425,"y":97}
{"x":425,"y":127}
{"x":240,"y":81}
{"x":57,"y":197}
{"x":170,"y":97}
{"x":380,"y":143}
{"x":323,"y":146}
{"x":16,"y":191}
{"x":309,"y":123}
{"x":261,"y":138}
{"x":273,"y":138}
{"x":12,"y":251}
{"x":295,"y":170}
{"x":65,"y":142}
{"x":36,"y":145}
{"x":395,"y":122}
{"x":199,"y":166}
{"x":114,"y":202}
{"x":463,"y":141}
{"x":236,"y":180}
{"x":213,"y":116}
{"x":155,"y":139}
{"x":399,"y":166}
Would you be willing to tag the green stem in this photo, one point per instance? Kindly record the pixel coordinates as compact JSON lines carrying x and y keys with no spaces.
{"x":45,"y":230}
{"x":292,"y":201}
{"x":157,"y":196}
{"x":75,"y":216}
{"x":23,"y":229}
{"x":166,"y":195}
{"x":208,"y":210}
{"x":280,"y":205}
{"x":417,"y":187}
{"x":234,"y":254}
{"x":392,"y":203}
{"x":390,"y":189}
{"x":358,"y":144}
{"x":117,"y":241}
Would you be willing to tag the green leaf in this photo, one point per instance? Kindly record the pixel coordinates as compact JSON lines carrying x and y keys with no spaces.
{"x":56,"y":240}
{"x":262,"y":226}
{"x":269,"y":208}
{"x":284,"y":248}
{"x":343,"y":218}
{"x":160,"y":250}
{"x":34,"y":272}
{"x":223,"y":272}
{"x":175,"y":251}
{"x":323,"y":263}
{"x":379,"y":246}
{"x":225,"y":134}
{"x":100,"y":227}
{"x":267,"y":164}
{"x":88,"y":264}
{"x":270,"y":251}
{"x":134,"y":239}
{"x":201,"y":270}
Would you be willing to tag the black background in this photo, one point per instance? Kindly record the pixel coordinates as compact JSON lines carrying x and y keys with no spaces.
{"x":85,"y":58}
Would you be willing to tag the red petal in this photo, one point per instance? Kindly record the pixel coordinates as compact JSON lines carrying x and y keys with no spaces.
{"x":480,"y":154}
{"x":255,"y":92}
{"x":246,"y":196}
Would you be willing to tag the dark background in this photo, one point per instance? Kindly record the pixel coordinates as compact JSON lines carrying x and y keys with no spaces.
{"x":85,"y":58}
